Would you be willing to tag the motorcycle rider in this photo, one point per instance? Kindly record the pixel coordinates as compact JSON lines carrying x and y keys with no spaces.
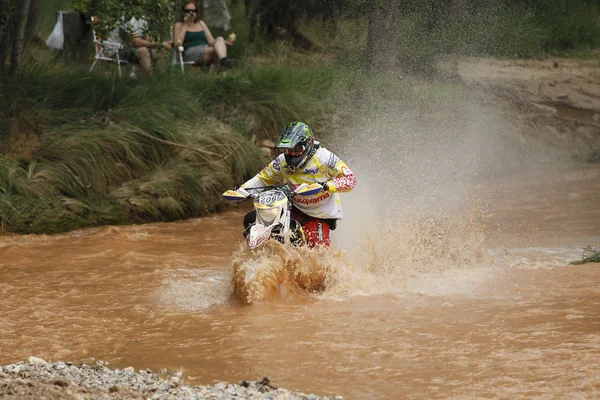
{"x":303,"y":160}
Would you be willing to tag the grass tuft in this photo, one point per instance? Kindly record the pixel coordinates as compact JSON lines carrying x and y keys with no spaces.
{"x":590,"y":255}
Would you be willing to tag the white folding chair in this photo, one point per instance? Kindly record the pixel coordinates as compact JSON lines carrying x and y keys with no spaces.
{"x":178,"y":55}
{"x":105,"y":50}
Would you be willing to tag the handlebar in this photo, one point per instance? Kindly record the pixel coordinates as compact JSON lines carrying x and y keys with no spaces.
{"x":302,"y":190}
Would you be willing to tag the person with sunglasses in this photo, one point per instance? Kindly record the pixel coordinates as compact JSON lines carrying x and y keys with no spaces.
{"x":198,"y":43}
{"x":303,"y":160}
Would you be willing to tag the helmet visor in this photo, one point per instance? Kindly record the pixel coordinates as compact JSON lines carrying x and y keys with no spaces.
{"x":294,"y":151}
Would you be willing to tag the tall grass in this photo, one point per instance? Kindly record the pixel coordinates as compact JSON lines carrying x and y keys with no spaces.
{"x":103,"y":150}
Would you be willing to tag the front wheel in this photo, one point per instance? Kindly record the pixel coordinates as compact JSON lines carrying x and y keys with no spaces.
{"x":297,"y":237}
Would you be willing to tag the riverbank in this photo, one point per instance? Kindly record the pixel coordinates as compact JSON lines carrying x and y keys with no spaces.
{"x":38,"y":378}
{"x":82,"y":149}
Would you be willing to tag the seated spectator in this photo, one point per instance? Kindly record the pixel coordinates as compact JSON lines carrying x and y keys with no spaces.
{"x":136,"y":47}
{"x":197,"y":41}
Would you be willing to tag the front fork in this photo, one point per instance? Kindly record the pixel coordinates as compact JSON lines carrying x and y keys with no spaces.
{"x":294,"y":231}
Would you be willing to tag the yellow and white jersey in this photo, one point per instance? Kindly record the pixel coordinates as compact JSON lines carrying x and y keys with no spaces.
{"x":323,"y":166}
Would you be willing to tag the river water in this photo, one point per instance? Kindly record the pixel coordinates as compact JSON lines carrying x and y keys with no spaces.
{"x":512,"y":320}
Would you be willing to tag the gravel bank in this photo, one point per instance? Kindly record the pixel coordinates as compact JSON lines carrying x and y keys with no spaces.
{"x":37,"y":379}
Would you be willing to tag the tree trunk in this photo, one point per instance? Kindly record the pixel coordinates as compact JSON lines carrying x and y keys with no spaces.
{"x":6,"y":21}
{"x":217,"y":15}
{"x":382,"y":36}
{"x":255,"y":6}
{"x":74,"y":30}
{"x":32,"y":20}
{"x":19,"y":39}
{"x":5,"y":17}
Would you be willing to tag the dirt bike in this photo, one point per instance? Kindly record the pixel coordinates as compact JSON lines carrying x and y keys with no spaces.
{"x":273,"y":207}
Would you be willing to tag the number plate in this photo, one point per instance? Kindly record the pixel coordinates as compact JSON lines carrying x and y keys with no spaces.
{"x":269,"y":198}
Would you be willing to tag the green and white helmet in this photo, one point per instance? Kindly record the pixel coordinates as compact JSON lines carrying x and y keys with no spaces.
{"x":296,"y":142}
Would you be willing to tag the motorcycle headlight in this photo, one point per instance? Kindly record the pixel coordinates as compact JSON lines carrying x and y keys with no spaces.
{"x":267,"y":215}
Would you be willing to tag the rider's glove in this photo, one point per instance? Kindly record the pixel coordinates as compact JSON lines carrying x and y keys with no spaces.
{"x":243,"y":192}
{"x":325,"y":186}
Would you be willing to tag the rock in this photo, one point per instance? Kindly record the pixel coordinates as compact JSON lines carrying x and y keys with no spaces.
{"x":37,"y":361}
{"x":241,"y":391}
{"x":220,"y":385}
{"x":61,"y":383}
{"x":129,"y":371}
{"x":113,"y":389}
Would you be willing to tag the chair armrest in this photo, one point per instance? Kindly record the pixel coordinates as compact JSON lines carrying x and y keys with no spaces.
{"x":109,"y":44}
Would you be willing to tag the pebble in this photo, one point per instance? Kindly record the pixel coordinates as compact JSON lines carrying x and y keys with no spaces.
{"x":37,"y":361}
{"x":148,"y":385}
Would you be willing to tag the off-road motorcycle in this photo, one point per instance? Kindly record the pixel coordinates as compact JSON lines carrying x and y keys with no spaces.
{"x":273,"y":205}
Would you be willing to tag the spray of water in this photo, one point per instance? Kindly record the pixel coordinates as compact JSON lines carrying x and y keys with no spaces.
{"x":276,"y":270}
{"x":418,"y":218}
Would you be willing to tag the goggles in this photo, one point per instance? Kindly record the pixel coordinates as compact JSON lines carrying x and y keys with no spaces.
{"x":294,"y":151}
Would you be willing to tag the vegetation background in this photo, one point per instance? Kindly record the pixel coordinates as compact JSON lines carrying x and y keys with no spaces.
{"x":84,"y":149}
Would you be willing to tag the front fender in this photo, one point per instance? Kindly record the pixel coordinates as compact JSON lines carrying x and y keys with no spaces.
{"x":258,"y":235}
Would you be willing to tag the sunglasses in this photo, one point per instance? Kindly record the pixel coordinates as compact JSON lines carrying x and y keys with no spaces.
{"x":189,"y":11}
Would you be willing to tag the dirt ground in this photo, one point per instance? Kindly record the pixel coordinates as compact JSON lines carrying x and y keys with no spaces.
{"x":557,"y":99}
{"x":558,"y":81}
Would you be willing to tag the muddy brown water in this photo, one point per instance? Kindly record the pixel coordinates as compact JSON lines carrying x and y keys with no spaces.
{"x":520,"y":324}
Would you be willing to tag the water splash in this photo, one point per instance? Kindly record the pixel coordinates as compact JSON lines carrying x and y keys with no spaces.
{"x":389,"y":260}
{"x":277,"y":270}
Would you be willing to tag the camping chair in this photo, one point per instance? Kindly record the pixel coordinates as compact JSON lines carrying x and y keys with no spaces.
{"x":178,"y":54}
{"x":105,"y":51}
